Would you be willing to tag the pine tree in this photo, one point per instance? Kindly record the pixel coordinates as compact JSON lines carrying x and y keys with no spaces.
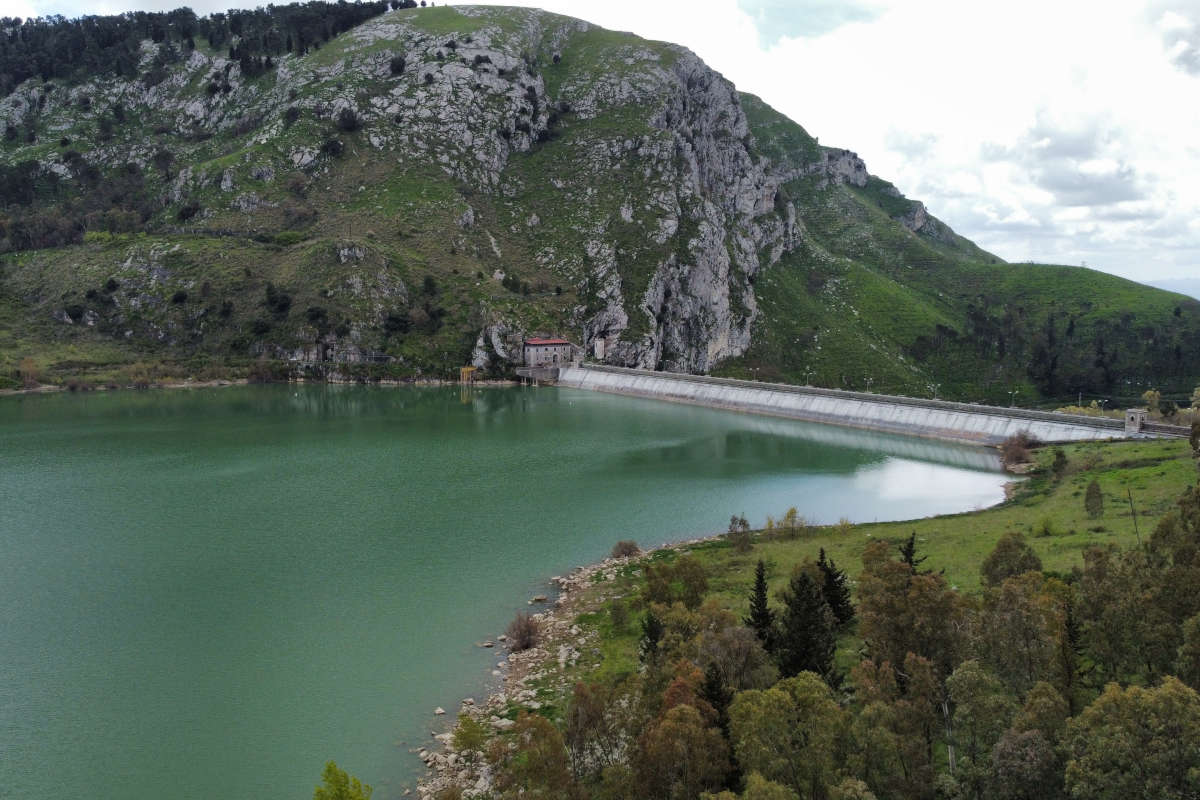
{"x":908,"y":554}
{"x":652,"y":633}
{"x":718,"y":695}
{"x":805,"y":635}
{"x":835,"y":590}
{"x":761,"y":619}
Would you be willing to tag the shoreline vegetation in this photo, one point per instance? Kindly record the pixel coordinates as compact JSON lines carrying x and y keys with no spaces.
{"x":639,"y":650}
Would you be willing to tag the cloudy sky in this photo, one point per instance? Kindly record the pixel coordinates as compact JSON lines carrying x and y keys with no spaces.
{"x":1046,"y":130}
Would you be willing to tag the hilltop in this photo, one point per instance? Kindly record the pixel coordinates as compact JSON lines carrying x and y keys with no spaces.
{"x":420,"y":188}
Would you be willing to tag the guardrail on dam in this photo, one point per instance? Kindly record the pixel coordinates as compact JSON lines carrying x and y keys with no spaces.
{"x":939,"y":419}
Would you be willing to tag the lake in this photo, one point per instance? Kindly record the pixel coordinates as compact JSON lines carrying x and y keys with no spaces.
{"x":209,"y":593}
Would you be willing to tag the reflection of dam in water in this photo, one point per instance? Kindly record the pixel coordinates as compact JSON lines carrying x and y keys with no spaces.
{"x":937,"y":419}
{"x":938,"y":452}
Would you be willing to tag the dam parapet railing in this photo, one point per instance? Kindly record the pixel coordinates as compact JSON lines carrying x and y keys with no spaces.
{"x":938,"y":419}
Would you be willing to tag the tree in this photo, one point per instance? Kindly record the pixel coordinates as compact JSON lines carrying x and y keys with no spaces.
{"x":29,"y":373}
{"x":761,"y":619}
{"x":895,"y":731}
{"x":1060,"y":464}
{"x":1024,"y":767}
{"x":1125,"y":613}
{"x":533,"y":764}
{"x":1093,"y":500}
{"x":652,"y":634}
{"x":680,"y":756}
{"x":901,"y":612}
{"x":1187,"y":665}
{"x":983,"y":709}
{"x":806,"y":640}
{"x":1019,"y":627}
{"x":470,"y":736}
{"x":835,"y":588}
{"x":1136,"y":743}
{"x":1011,"y":556}
{"x":788,"y":733}
{"x":739,"y":534}
{"x":1152,"y":398}
{"x":595,"y":728}
{"x":684,"y":581}
{"x":739,"y":657}
{"x":908,"y":554}
{"x":337,"y":785}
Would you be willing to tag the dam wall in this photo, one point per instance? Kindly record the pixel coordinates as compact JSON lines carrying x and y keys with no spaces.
{"x":938,"y":419}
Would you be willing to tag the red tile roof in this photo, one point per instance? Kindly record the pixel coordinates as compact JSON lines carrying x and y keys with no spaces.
{"x":546,"y":341}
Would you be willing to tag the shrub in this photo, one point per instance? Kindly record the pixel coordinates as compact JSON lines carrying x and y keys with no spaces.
{"x":1015,"y":449}
{"x":277,"y":300}
{"x":347,"y":120}
{"x":523,"y":632}
{"x":626,"y":548}
{"x":291,"y":115}
{"x":179,"y":298}
{"x":1059,"y":467}
{"x":739,"y":533}
{"x":396,"y":323}
{"x":1093,"y":500}
{"x":469,"y":735}
{"x":396,"y":65}
{"x":188,"y":211}
{"x":618,"y":614}
{"x":1010,"y":557}
{"x":332,"y":146}
{"x":29,"y":373}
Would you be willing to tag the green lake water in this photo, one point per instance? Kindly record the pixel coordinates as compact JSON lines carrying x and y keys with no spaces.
{"x":209,"y":593}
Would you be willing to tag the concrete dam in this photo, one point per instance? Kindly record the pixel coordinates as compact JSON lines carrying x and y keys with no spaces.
{"x":937,"y":419}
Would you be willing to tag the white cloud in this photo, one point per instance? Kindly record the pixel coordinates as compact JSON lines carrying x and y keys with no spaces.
{"x":1058,"y":131}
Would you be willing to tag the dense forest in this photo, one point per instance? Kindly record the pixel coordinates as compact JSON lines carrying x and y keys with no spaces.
{"x":1043,"y":685}
{"x":84,"y":47}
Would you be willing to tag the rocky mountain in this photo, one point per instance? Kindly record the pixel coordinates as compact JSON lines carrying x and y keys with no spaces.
{"x":432,"y":185}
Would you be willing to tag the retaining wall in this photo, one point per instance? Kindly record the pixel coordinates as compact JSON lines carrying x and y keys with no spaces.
{"x":939,"y":419}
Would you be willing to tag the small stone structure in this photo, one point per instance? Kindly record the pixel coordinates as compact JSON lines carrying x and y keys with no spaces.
{"x":1135,"y":420}
{"x":547,"y":352}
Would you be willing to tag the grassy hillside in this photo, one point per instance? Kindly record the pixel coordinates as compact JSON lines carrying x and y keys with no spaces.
{"x":866,"y":303}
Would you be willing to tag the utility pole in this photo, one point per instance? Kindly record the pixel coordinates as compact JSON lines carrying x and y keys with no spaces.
{"x":1133,"y":514}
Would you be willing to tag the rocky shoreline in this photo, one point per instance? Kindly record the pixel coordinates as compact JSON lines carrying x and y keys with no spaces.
{"x":563,"y":643}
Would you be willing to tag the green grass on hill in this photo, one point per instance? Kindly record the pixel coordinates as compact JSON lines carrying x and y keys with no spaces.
{"x":1048,"y":511}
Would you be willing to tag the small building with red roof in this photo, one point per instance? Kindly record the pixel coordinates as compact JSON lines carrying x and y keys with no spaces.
{"x":542,"y":352}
